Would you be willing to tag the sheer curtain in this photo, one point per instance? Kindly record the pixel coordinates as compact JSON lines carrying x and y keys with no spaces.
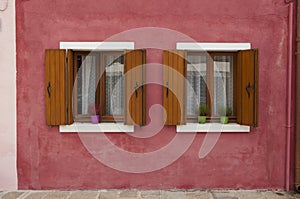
{"x":223,"y":83}
{"x":196,"y":86}
{"x":86,"y":88}
{"x":114,"y":84}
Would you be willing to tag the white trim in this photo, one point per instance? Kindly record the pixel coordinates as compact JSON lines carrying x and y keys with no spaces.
{"x":212,"y":127}
{"x":197,"y":46}
{"x":97,"y":45}
{"x":96,"y":128}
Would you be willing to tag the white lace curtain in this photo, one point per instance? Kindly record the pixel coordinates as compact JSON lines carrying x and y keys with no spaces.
{"x":223,"y":83}
{"x":114,"y":83}
{"x":86,"y":84}
{"x":196,"y":87}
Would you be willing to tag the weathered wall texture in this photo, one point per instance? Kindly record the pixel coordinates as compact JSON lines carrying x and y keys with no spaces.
{"x":50,"y":160}
{"x":8,"y":170}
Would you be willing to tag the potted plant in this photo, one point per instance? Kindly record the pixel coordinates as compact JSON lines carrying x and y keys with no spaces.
{"x":225,"y":113}
{"x":203,"y":111}
{"x":93,"y":111}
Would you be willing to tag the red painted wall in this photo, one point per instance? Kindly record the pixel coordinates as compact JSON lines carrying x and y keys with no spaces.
{"x":50,"y":160}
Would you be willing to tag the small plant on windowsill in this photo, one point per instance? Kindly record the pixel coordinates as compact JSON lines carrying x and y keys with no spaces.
{"x":203,"y":111}
{"x":225,"y":112}
{"x":93,"y":111}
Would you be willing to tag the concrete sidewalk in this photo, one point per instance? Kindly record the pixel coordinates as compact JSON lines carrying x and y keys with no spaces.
{"x":153,"y":194}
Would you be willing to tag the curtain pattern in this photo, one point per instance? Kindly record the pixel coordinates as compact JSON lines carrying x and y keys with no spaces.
{"x":196,"y":83}
{"x":223,"y":83}
{"x":114,"y":84}
{"x":86,"y":84}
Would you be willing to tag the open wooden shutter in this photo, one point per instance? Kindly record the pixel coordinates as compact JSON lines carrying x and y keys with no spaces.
{"x":174,"y":87}
{"x":135,"y":90}
{"x":59,"y":87}
{"x":247,"y":87}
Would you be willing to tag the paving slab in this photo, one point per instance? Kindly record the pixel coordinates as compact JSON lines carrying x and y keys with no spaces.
{"x":224,"y":194}
{"x":12,"y":194}
{"x":295,"y":195}
{"x":128,"y":194}
{"x":36,"y":195}
{"x":198,"y":195}
{"x":108,"y":194}
{"x":150,"y":194}
{"x":249,"y":194}
{"x":173,"y":195}
{"x":57,"y":195}
{"x":277,"y":195}
{"x":84,"y":195}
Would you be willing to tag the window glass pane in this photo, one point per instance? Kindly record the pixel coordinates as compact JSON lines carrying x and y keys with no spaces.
{"x":86,"y":83}
{"x":114,"y":85}
{"x":196,"y":86}
{"x":223,"y":83}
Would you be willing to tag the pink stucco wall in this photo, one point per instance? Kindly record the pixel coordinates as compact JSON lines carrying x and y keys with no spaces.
{"x":50,"y":160}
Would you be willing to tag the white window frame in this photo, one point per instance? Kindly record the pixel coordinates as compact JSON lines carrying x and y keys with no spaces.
{"x":212,"y":127}
{"x":101,"y":127}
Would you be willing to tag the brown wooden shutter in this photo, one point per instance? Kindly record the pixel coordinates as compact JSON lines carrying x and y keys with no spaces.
{"x":59,"y":87}
{"x":174,"y":73}
{"x":135,"y":90}
{"x":247,"y":87}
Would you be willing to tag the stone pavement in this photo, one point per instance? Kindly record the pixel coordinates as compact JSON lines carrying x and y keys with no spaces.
{"x":151,"y":194}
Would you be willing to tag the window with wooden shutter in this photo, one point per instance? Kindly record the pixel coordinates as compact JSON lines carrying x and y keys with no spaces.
{"x":247,"y":87}
{"x":174,"y":72}
{"x":100,"y":83}
{"x":134,"y":87}
{"x":59,"y":86}
{"x":216,"y":79}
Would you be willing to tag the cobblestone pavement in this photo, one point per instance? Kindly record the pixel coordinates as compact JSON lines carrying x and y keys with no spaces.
{"x":151,"y":194}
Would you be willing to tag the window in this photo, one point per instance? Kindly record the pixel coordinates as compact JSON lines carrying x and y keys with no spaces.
{"x":76,"y":80}
{"x":210,"y":81}
{"x":99,"y":86}
{"x":217,"y":79}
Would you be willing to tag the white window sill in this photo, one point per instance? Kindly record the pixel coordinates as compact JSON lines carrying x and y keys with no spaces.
{"x":99,"y":128}
{"x":212,"y":127}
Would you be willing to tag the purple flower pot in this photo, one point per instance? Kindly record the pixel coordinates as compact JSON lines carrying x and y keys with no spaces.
{"x":95,"y":119}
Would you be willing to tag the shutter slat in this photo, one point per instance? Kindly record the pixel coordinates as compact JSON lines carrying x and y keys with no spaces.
{"x":70,"y":86}
{"x":247,"y":87}
{"x":170,"y":93}
{"x":127,"y":85}
{"x":53,"y":88}
{"x":255,"y":108}
{"x":176,"y":97}
{"x":239,"y":89}
{"x":174,"y":75}
{"x":165,"y":88}
{"x":48,"y":87}
{"x":144,"y":89}
{"x":133,"y":99}
{"x":62,"y":87}
{"x":139,"y":76}
{"x":181,"y":86}
{"x":56,"y":86}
